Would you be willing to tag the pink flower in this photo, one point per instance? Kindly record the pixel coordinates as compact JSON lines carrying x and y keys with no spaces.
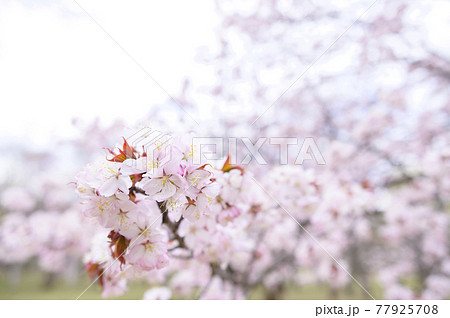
{"x":162,"y":188}
{"x":150,"y":253}
{"x":114,"y":184}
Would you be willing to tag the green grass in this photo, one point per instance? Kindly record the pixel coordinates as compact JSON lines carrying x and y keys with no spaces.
{"x":32,"y":285}
{"x":319,"y":292}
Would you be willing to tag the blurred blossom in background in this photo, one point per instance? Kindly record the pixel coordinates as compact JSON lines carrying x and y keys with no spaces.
{"x":368,"y":81}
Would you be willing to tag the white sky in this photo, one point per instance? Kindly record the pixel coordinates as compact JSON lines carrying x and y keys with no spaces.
{"x":57,"y":64}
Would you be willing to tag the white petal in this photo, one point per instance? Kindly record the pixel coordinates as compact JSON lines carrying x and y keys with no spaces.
{"x":109,"y":187}
{"x":130,"y":166}
{"x":153,"y":186}
{"x":124,"y":183}
{"x":167,"y":191}
{"x":198,"y":178}
{"x":191,"y":214}
{"x":212,"y":190}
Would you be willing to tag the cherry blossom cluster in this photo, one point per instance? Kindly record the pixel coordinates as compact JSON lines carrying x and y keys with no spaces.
{"x":239,"y":239}
{"x":51,"y":236}
{"x":40,"y":220}
{"x":191,"y":227}
{"x":380,"y":205}
{"x":139,"y":197}
{"x":219,"y":232}
{"x":49,"y":230}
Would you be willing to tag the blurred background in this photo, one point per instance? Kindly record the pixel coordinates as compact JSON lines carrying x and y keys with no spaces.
{"x":369,"y":81}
